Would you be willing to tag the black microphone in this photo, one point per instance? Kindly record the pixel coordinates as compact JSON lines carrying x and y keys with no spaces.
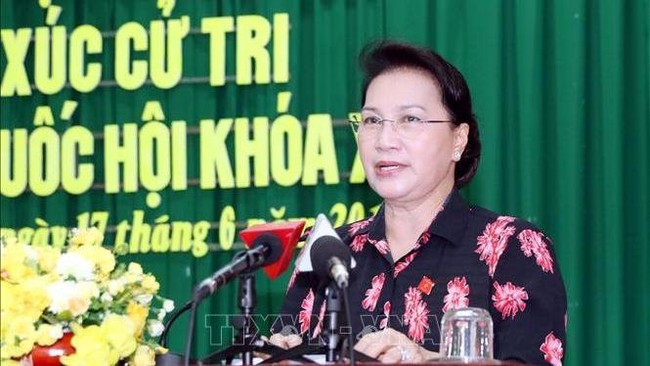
{"x":331,"y":259}
{"x":266,"y":250}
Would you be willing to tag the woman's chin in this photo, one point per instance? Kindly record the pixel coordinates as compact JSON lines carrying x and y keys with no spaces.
{"x":390,"y":194}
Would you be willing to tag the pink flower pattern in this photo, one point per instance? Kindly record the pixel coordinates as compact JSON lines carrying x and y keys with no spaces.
{"x":372,"y":294}
{"x":509,"y":299}
{"x":494,"y":240}
{"x":411,"y":297}
{"x":356,"y":226}
{"x":402,"y":264}
{"x":457,"y":292}
{"x":418,"y":322}
{"x":532,"y":242}
{"x":384,"y":322}
{"x":552,"y":350}
{"x":292,"y":279}
{"x":304,"y":317}
{"x":381,"y":245}
{"x":415,"y":314}
{"x":321,"y":316}
{"x":358,"y":242}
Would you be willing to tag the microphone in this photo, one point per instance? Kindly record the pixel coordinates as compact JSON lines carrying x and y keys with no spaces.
{"x":267,"y":249}
{"x":328,"y":257}
{"x":331,"y":258}
{"x":289,"y":234}
{"x":272,"y":247}
{"x":325,"y":253}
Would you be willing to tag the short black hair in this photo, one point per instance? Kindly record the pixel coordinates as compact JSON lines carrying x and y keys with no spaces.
{"x":380,"y":57}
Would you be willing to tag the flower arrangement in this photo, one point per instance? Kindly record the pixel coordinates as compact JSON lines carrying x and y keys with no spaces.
{"x":108,"y":307}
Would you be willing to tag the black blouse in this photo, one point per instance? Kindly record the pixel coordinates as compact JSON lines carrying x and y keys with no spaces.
{"x":469,"y":256}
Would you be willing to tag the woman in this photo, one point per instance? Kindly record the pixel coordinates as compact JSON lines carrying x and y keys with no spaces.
{"x":427,"y":251}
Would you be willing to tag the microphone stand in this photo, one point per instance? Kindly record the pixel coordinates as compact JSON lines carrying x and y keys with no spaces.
{"x":332,"y":332}
{"x":247,"y":302}
{"x":328,"y":341}
{"x":246,"y":341}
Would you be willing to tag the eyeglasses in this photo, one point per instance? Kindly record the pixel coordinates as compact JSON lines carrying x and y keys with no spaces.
{"x":406,"y":126}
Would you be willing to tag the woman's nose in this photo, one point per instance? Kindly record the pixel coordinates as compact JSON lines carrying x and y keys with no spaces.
{"x":387,"y":136}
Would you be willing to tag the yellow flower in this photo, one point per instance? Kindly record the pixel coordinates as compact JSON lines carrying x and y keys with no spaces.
{"x":48,"y":334}
{"x":91,"y":348}
{"x":7,"y":315}
{"x":90,"y":236}
{"x":138,"y":315}
{"x":27,"y":299}
{"x":100,"y":256}
{"x":135,"y":268}
{"x":149,"y":284}
{"x":143,"y":356}
{"x":8,"y":291}
{"x":19,"y":336}
{"x":23,"y":327}
{"x":120,"y":332}
{"x":47,"y":257}
{"x":133,"y":274}
{"x":43,"y":284}
{"x":14,"y":264}
{"x":16,"y":350}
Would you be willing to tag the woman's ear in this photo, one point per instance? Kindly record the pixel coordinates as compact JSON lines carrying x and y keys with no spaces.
{"x":461,"y":133}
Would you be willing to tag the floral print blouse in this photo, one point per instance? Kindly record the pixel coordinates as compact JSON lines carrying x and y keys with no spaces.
{"x":469,"y":256}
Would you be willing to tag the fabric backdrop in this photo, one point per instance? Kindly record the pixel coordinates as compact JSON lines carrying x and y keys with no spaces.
{"x":562,"y":94}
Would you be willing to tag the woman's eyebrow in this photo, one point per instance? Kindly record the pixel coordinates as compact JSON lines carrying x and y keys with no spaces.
{"x":401,"y":108}
{"x":370,"y":109}
{"x":412,"y":106}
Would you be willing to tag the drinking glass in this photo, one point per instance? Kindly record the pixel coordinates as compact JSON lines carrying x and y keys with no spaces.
{"x":466,"y":335}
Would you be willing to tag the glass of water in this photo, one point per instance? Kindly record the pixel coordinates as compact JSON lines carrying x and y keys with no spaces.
{"x":466,"y":335}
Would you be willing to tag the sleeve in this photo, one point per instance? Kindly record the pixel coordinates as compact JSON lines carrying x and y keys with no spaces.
{"x":297,"y":313}
{"x":528,"y":301}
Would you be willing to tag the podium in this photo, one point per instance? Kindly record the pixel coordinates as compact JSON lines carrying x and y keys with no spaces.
{"x":177,"y":360}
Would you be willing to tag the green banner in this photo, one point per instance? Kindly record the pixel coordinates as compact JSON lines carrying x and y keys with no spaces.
{"x":171,"y":126}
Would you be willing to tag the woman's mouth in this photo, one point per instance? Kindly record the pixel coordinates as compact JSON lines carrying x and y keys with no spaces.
{"x":388,"y":167}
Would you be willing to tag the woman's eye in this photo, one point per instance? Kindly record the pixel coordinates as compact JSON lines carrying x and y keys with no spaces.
{"x":371,"y":120}
{"x":411,"y":119}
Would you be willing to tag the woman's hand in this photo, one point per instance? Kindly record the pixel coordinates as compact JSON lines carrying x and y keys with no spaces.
{"x":279,"y":340}
{"x":285,"y":341}
{"x":391,"y":346}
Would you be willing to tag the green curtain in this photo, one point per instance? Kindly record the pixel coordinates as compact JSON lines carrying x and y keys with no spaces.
{"x":561,"y":90}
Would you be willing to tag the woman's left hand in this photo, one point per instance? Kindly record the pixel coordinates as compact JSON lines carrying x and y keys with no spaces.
{"x":391,"y":346}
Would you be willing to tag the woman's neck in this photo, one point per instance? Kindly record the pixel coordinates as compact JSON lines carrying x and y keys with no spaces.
{"x":406,"y":221}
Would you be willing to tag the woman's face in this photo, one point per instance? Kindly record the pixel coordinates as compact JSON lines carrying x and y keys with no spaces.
{"x":415,"y":163}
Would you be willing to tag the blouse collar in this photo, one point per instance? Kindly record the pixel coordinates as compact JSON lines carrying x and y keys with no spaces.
{"x":449,"y":224}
